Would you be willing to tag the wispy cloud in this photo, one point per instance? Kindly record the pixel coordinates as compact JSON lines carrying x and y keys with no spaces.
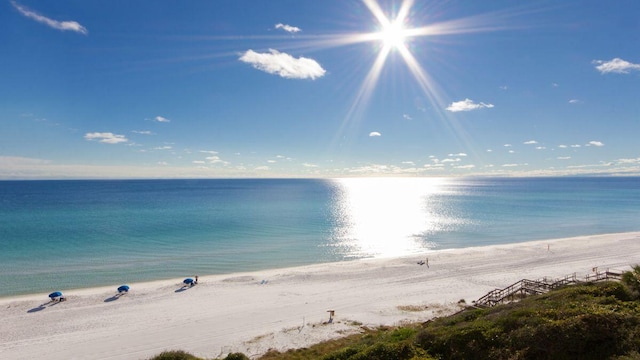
{"x":530,"y":142}
{"x":407,"y":117}
{"x":615,"y":65}
{"x":288,"y":28}
{"x":106,"y":137}
{"x":59,"y":25}
{"x":284,"y":65}
{"x":629,"y":161}
{"x":574,"y":101}
{"x":141,"y":132}
{"x":467,"y":105}
{"x":161,"y":119}
{"x":595,"y":143}
{"x":374,"y":133}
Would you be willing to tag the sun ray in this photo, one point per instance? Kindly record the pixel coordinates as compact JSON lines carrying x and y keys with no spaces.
{"x":364,"y":93}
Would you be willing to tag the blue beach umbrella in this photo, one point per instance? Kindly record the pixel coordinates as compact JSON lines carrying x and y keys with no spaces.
{"x":123,"y":288}
{"x":188,"y":281}
{"x":55,"y":294}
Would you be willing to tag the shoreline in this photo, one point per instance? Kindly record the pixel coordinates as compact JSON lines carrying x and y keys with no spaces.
{"x":164,"y":282}
{"x":252,"y":312}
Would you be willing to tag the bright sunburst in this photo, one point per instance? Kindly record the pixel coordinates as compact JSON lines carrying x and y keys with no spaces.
{"x":393,"y":35}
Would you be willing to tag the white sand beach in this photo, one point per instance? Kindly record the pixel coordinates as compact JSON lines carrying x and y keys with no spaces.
{"x":287,"y":308}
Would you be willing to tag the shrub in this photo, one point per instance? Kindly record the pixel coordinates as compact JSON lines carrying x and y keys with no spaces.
{"x":236,"y":356}
{"x":174,"y":355}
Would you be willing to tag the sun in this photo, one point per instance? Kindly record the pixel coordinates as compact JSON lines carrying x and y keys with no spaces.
{"x":393,"y":35}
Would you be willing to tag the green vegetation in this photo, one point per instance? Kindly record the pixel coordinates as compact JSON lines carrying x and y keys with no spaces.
{"x":587,"y":321}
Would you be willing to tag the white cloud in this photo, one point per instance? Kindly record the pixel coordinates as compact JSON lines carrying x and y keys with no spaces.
{"x":564,"y":157}
{"x":554,"y":84}
{"x":467,"y":105}
{"x":451,"y":160}
{"x":530,"y":142}
{"x":163,"y":148}
{"x":576,"y":146}
{"x":595,"y":143}
{"x":271,"y":161}
{"x":489,"y":150}
{"x":459,"y":154}
{"x":431,"y":166}
{"x":407,"y":117}
{"x":198,"y":162}
{"x":374,"y":133}
{"x":510,"y":165}
{"x":562,"y":146}
{"x":616,"y":65}
{"x":283,"y":64}
{"x":574,"y":101}
{"x":288,"y":28}
{"x":141,"y":132}
{"x":59,"y":25}
{"x":161,"y":119}
{"x":504,"y":87}
{"x":262,"y":168}
{"x":508,"y":145}
{"x":106,"y":137}
{"x":309,"y":165}
{"x":465,"y":166}
{"x":215,"y":160}
{"x":541,"y":147}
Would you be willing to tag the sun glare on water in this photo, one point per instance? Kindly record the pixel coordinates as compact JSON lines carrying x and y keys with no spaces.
{"x":384,"y":217}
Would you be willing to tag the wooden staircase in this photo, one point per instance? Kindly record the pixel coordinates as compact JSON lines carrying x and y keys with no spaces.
{"x":527,"y":287}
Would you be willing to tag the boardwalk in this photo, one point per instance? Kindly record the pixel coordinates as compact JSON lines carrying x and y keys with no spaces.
{"x":527,"y":287}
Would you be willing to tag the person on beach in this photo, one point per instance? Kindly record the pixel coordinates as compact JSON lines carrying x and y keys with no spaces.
{"x":196,"y":279}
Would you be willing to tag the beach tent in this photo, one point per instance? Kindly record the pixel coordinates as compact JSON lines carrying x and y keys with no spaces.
{"x":55,"y":294}
{"x":123,"y":289}
{"x":188,"y":281}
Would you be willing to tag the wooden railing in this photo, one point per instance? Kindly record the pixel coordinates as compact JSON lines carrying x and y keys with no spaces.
{"x":527,"y":287}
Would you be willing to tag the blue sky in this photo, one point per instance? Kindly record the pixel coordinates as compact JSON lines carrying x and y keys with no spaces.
{"x":332,"y":88}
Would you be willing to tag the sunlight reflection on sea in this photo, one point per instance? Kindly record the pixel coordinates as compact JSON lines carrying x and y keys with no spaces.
{"x":384,"y":217}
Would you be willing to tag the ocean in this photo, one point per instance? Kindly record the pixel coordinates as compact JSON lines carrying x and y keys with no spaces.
{"x":67,"y":234}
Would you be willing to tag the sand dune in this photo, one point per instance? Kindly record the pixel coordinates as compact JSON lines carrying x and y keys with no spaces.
{"x":287,"y":308}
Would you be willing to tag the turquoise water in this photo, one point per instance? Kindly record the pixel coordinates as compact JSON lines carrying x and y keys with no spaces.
{"x":71,"y":234}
